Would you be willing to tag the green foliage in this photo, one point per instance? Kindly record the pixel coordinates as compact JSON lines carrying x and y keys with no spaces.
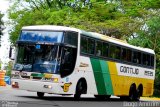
{"x":97,"y":16}
{"x":1,"y":24}
{"x":9,"y":68}
{"x":149,"y":37}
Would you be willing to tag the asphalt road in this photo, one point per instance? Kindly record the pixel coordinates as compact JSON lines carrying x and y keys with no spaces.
{"x":18,"y":98}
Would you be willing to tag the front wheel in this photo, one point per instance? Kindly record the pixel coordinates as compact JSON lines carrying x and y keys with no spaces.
{"x":80,"y":89}
{"x":40,"y":94}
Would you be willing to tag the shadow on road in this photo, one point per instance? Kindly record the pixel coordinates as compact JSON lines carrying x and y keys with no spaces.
{"x":62,"y":98}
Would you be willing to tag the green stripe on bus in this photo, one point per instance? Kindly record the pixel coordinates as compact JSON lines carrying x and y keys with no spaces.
{"x":107,"y":77}
{"x":37,"y":75}
{"x":102,"y":77}
{"x":98,"y":76}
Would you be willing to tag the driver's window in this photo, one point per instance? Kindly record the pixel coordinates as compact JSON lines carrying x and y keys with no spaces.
{"x":68,"y":61}
{"x":67,"y":55}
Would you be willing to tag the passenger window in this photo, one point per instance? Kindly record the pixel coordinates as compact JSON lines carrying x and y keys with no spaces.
{"x":137,"y":57}
{"x":129,"y":55}
{"x":91,"y":46}
{"x":146,"y":59}
{"x":84,"y":44}
{"x":115,"y":52}
{"x":126,"y":55}
{"x":99,"y":48}
{"x":105,"y":49}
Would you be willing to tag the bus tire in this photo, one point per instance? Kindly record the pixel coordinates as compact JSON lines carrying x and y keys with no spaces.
{"x":139,"y":92}
{"x":81,"y":88}
{"x":102,"y":97}
{"x":132,"y":93}
{"x":40,"y":94}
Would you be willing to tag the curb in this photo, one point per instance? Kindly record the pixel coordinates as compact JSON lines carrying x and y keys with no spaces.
{"x":150,"y":98}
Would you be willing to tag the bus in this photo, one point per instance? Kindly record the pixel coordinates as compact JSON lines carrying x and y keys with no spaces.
{"x":68,"y":61}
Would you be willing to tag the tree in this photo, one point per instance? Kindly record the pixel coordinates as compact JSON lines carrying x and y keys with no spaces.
{"x":1,"y":26}
{"x":98,"y":16}
{"x":1,"y":23}
{"x":149,"y":37}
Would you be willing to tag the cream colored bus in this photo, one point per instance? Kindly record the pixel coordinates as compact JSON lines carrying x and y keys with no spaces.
{"x":69,"y":61}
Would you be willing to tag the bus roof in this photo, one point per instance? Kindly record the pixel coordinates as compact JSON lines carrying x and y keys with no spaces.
{"x":90,"y":34}
{"x":50,"y":27}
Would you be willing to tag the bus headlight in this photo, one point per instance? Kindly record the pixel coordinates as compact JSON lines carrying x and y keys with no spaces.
{"x":47,"y":86}
{"x":15,"y":85}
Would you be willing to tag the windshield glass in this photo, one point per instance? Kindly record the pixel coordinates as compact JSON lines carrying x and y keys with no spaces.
{"x":37,"y":58}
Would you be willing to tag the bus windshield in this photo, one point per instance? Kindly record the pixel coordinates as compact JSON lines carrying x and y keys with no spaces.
{"x":37,"y":58}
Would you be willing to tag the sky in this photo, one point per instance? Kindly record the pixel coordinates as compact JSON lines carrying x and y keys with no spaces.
{"x":4,"y":49}
{"x":4,"y":5}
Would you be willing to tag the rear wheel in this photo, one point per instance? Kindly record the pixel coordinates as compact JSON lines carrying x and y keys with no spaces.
{"x":139,"y":92}
{"x":132,"y":93}
{"x":138,"y":95}
{"x":40,"y":94}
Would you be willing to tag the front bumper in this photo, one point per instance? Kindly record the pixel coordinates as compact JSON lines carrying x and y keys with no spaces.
{"x":38,"y":86}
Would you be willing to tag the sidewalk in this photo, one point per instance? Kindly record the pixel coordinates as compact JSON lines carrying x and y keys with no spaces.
{"x":4,"y":88}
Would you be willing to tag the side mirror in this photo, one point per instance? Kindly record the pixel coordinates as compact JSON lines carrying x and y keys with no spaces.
{"x":11,"y":53}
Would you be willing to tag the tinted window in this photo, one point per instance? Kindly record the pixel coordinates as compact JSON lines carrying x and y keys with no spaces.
{"x":71,"y":38}
{"x":137,"y":57}
{"x":84,"y":41}
{"x":126,"y":55}
{"x":146,"y":59}
{"x":105,"y":49}
{"x":99,"y":45}
{"x":91,"y":46}
{"x":115,"y":52}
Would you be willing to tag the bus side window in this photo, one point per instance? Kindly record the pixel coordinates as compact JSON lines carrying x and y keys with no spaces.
{"x":137,"y":57}
{"x":124,"y":54}
{"x":99,"y":46}
{"x":105,"y":49}
{"x":112,"y":53}
{"x":129,"y":55}
{"x":115,"y":52}
{"x":84,"y":43}
{"x":91,"y":46}
{"x":148,"y":62}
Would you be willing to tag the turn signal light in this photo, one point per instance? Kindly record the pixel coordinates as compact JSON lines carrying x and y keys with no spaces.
{"x":15,"y":85}
{"x":55,"y":79}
